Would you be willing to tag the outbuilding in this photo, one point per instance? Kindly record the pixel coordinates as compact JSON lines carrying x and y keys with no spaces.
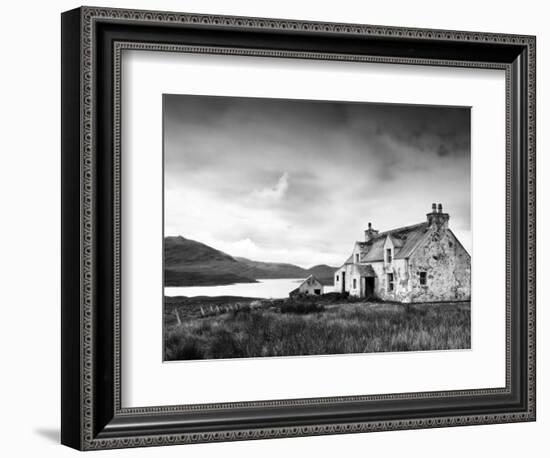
{"x":310,"y":286}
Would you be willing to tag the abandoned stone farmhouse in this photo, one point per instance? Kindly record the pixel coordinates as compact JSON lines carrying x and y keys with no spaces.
{"x":424,"y":262}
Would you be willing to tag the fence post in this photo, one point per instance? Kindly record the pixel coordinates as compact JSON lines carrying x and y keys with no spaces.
{"x":176,"y":312}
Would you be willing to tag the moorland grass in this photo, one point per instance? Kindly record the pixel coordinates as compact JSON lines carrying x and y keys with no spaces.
{"x":305,"y":329}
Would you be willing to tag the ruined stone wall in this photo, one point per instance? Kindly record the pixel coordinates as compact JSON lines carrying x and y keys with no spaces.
{"x":338,"y":278}
{"x":352,"y":273}
{"x":354,"y":279}
{"x":447,"y":267}
{"x":400,"y":280}
{"x":381,"y":290}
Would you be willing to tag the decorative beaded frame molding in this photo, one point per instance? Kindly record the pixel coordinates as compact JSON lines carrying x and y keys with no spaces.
{"x":89,"y":15}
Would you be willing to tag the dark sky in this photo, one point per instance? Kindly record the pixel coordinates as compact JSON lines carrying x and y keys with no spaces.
{"x":297,"y":181}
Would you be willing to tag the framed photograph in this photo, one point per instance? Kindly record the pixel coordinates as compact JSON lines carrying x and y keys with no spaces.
{"x":276,"y":228}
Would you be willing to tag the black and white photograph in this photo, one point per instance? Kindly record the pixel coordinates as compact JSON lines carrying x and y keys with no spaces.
{"x":309,"y":227}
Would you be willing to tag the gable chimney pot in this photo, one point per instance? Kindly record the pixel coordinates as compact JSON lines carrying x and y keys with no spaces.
{"x":370,"y":232}
{"x":437,"y":219}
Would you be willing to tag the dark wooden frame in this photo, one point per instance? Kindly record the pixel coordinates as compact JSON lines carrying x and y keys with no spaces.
{"x":92,"y":40}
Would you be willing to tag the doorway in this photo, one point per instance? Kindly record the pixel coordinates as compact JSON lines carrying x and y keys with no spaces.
{"x":343,"y":282}
{"x":369,"y":287}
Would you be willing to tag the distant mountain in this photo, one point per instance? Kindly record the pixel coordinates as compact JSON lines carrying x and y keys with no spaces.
{"x":259,"y":269}
{"x":324,"y":273}
{"x":191,"y":263}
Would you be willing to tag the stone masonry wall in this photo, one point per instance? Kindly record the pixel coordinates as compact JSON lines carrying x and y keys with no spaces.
{"x":447,"y":267}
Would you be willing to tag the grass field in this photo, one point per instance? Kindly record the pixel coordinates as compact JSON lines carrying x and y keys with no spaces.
{"x":322,"y":326}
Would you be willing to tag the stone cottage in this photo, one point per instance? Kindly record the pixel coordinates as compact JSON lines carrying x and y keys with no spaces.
{"x":310,"y":286}
{"x":424,"y":262}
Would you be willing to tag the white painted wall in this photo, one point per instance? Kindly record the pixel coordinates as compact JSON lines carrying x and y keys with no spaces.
{"x":29,"y":186}
{"x":310,"y":286}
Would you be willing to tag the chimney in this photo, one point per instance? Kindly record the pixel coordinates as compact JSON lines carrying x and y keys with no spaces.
{"x":437,"y":219}
{"x":370,"y":233}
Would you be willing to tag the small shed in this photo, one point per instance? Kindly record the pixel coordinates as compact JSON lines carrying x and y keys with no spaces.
{"x":310,"y":286}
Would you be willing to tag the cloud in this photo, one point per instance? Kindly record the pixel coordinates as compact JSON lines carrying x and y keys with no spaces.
{"x":274,"y":193}
{"x":298,"y":181}
{"x":443,"y":150}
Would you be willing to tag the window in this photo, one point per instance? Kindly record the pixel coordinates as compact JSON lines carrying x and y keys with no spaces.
{"x":390,"y":282}
{"x":422,"y":278}
{"x":354,"y":283}
{"x":337,"y":277}
{"x":356,"y":257}
{"x":388,"y":255}
{"x":317,"y":291}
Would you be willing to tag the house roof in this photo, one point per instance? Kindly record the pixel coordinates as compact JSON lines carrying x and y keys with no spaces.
{"x":349,"y":260}
{"x":404,"y":239}
{"x":310,"y":281}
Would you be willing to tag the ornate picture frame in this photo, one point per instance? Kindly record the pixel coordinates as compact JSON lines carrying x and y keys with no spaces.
{"x":93,"y":416}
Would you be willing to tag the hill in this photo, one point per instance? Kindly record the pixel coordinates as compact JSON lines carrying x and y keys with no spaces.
{"x":258,"y":269}
{"x":324,"y":273}
{"x":179,"y":250}
{"x":192,"y":263}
